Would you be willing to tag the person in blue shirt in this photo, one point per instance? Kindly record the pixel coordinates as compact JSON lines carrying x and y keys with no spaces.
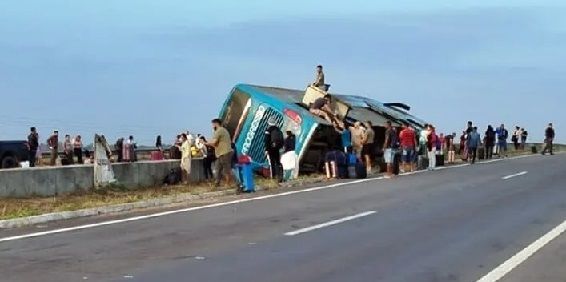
{"x":346,"y":137}
{"x":473,"y":142}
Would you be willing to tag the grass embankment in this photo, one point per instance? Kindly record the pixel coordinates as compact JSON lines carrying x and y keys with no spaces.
{"x":23,"y":207}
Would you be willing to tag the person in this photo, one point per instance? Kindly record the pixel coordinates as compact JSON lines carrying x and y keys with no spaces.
{"x":368,"y":147}
{"x":158,"y":143}
{"x":407,"y":139}
{"x":431,"y":147}
{"x":186,"y":159}
{"x":208,"y":157}
{"x":119,"y":147}
{"x":321,"y":108}
{"x":346,"y":138}
{"x":68,"y":149}
{"x":289,"y":158}
{"x":489,"y":142}
{"x":461,"y":150}
{"x":388,"y":152}
{"x":129,"y":149}
{"x":502,"y":135}
{"x":89,"y":158}
{"x":221,"y":141}
{"x":357,"y":134}
{"x":548,"y":139}
{"x":516,"y":137}
{"x":470,"y":128}
{"x":474,"y":142}
{"x":290,"y":142}
{"x":274,"y":141}
{"x":78,"y":148}
{"x":451,"y":147}
{"x":524,"y":137}
{"x":334,"y":161}
{"x":53,"y":143}
{"x":319,"y":79}
{"x":33,"y":143}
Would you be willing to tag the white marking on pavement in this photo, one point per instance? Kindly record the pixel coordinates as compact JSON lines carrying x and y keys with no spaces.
{"x":523,"y":255}
{"x":514,"y":175}
{"x":330,"y":223}
{"x":160,"y":214}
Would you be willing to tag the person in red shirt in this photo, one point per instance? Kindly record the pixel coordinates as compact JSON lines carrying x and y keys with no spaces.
{"x":407,"y":140}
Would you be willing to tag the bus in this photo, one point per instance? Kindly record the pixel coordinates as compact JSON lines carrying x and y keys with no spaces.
{"x":248,"y":108}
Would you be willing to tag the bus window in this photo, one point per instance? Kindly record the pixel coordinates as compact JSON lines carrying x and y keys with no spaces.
{"x":236,"y":112}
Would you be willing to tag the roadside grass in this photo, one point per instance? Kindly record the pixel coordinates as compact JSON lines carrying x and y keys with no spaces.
{"x":23,"y":207}
{"x":11,"y":208}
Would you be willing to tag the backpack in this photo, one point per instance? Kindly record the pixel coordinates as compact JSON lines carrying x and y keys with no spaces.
{"x":277,"y":138}
{"x":173,"y":178}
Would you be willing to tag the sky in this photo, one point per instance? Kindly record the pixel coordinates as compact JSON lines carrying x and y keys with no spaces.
{"x":143,"y":68}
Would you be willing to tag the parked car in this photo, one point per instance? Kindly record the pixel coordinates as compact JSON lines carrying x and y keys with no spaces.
{"x":12,"y":153}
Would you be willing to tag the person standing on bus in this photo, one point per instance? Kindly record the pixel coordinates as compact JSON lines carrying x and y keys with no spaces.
{"x":319,"y":80}
{"x":274,"y":141}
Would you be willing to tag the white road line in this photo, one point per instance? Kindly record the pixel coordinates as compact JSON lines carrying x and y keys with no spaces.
{"x":137,"y":218}
{"x":143,"y":217}
{"x":330,"y":223}
{"x":523,"y":255}
{"x":514,"y":175}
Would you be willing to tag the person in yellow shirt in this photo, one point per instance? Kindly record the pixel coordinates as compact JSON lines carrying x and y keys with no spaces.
{"x":186,"y":158}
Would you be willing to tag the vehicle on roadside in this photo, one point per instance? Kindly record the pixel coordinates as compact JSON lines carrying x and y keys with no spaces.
{"x":12,"y":153}
{"x":248,"y":108}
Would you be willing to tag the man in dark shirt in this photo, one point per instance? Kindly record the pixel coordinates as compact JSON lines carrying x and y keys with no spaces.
{"x":53,"y":143}
{"x":388,"y":148}
{"x":273,"y":143}
{"x":289,"y":145}
{"x":549,"y":139}
{"x":33,"y":143}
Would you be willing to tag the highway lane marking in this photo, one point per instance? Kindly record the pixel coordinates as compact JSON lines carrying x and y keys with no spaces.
{"x":330,"y":223}
{"x":523,"y":255}
{"x":166,"y":213}
{"x":161,"y":214}
{"x":514,"y":175}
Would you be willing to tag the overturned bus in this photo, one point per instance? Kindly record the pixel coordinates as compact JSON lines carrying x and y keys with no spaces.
{"x":248,"y":107}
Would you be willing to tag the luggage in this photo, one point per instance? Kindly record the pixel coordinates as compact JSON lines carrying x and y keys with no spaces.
{"x":156,"y":156}
{"x":352,"y":171}
{"x":396,"y":163}
{"x":439,"y":160}
{"x":422,"y":163}
{"x":361,"y":171}
{"x":481,"y":153}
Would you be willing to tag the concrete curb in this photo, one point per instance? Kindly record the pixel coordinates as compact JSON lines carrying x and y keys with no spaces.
{"x":152,"y":203}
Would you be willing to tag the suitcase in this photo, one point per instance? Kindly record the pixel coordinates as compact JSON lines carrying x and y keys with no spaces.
{"x":396,"y":164}
{"x":422,"y":163}
{"x":481,"y":153}
{"x":156,"y":156}
{"x":439,"y":160}
{"x":361,"y":171}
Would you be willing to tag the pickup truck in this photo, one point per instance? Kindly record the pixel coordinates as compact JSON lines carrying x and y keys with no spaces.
{"x":12,"y":153}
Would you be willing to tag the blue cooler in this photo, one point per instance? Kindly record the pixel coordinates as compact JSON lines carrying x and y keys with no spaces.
{"x":246,"y":173}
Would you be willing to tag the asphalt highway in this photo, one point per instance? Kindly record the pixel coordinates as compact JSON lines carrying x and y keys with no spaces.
{"x":502,"y":220}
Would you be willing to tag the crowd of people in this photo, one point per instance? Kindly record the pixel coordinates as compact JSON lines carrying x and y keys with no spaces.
{"x":404,"y":148}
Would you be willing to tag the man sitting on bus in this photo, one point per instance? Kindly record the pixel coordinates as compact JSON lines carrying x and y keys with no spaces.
{"x":321,"y":108}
